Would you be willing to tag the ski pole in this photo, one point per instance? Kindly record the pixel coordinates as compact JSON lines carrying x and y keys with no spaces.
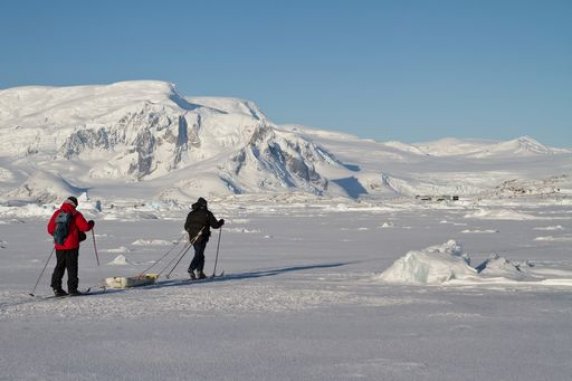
{"x":94,"y":246}
{"x":42,"y":273}
{"x":180,"y":258}
{"x":217,"y":248}
{"x":163,"y":257}
{"x":183,"y":249}
{"x":185,"y":252}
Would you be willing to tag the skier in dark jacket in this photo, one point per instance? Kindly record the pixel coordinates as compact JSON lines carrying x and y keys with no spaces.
{"x":67,"y":253}
{"x":198,"y":224}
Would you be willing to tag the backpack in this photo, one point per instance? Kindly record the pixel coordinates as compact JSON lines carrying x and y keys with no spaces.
{"x":63,"y":221}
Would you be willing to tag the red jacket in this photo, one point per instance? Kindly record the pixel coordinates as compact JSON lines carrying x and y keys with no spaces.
{"x":78,"y":224}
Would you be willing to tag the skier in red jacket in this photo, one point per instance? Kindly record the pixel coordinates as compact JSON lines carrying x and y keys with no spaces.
{"x":67,"y":252}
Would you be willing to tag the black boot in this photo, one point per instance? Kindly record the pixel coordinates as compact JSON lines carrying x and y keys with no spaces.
{"x":60,"y":292}
{"x":75,"y":293}
{"x":202,"y":275}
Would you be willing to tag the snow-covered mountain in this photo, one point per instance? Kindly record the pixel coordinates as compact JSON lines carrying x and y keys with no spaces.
{"x":142,"y":140}
{"x":523,"y":146}
{"x":448,"y":167}
{"x":142,"y":131}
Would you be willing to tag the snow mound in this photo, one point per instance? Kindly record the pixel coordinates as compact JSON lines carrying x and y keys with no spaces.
{"x":120,"y":260}
{"x":446,"y":264}
{"x":550,"y":228}
{"x":244,"y":230}
{"x":554,"y":239}
{"x":500,"y":214}
{"x":121,"y":249}
{"x":496,"y":266}
{"x":479,"y":231}
{"x":433,"y":265}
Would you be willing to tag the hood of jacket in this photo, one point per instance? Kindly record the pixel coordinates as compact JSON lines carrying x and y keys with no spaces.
{"x":68,"y":206}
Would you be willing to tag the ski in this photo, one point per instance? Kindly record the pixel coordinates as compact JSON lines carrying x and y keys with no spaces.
{"x":83,"y":293}
{"x":217,"y":276}
{"x":209,"y":278}
{"x":47,"y":297}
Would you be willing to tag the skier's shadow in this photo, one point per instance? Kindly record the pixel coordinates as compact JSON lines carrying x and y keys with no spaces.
{"x":278,"y":271}
{"x":232,"y":277}
{"x":187,"y":282}
{"x":225,"y":278}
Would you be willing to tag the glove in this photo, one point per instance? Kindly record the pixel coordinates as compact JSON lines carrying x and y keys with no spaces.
{"x":91,"y":223}
{"x":82,"y":236}
{"x":221,"y":222}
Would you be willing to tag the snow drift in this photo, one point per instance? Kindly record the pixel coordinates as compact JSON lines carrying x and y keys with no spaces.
{"x":433,"y":265}
{"x":448,"y":264}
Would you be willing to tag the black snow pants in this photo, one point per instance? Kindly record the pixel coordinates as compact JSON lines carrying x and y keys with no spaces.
{"x":198,"y":262}
{"x":66,"y":260}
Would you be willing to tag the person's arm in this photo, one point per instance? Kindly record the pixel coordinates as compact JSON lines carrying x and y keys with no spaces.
{"x":52,"y":224}
{"x":187,"y":222}
{"x":214,"y":223}
{"x":82,"y":224}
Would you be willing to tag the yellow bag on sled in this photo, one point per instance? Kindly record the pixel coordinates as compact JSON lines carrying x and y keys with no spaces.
{"x":130,"y":281}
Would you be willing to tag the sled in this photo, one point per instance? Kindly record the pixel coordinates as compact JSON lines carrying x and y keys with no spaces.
{"x":130,"y":281}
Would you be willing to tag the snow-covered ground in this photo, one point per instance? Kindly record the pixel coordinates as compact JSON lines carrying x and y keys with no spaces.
{"x":395,"y":290}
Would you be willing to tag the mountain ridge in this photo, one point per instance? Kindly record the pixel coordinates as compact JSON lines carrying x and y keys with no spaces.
{"x":174,"y":146}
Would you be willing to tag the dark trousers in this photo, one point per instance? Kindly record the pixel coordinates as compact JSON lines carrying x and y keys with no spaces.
{"x":198,"y":262}
{"x":66,"y":260}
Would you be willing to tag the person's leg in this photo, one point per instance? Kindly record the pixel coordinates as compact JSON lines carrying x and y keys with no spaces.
{"x":59,"y":270}
{"x":72,"y":268}
{"x":201,"y":260}
{"x":196,"y":260}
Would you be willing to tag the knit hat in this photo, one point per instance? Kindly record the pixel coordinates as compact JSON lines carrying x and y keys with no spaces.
{"x":73,"y":199}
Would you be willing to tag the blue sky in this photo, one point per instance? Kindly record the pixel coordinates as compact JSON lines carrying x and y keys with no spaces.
{"x":388,"y":70}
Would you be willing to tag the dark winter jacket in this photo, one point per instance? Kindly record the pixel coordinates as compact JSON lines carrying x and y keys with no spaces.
{"x":77,"y":225}
{"x":201,"y":218}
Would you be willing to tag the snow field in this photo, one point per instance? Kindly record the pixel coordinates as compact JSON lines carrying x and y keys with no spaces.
{"x":300,"y":302}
